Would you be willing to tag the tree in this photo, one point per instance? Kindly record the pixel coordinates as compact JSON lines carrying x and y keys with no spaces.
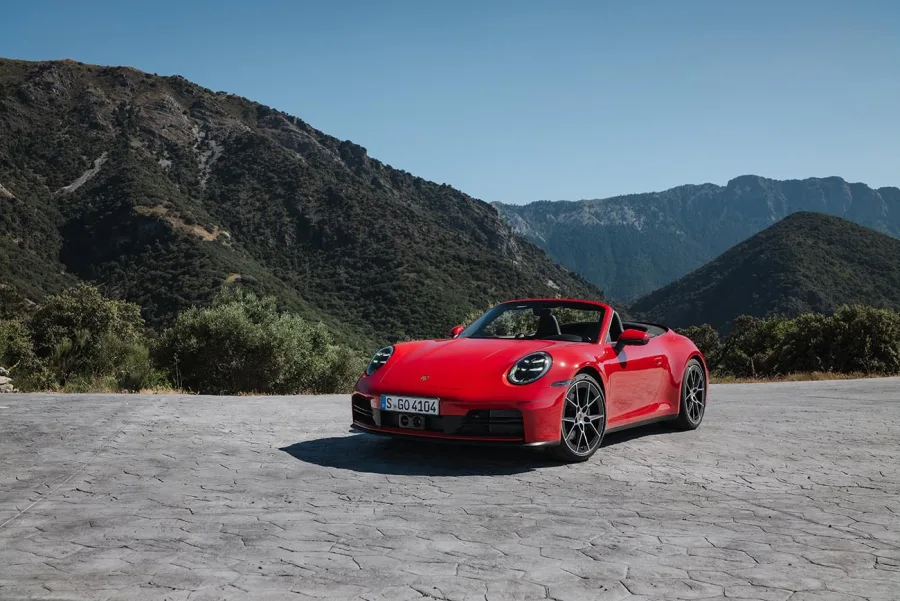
{"x":243,"y":344}
{"x":80,"y":335}
{"x":707,"y":340}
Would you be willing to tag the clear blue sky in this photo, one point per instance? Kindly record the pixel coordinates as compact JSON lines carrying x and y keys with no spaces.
{"x":523,"y":100}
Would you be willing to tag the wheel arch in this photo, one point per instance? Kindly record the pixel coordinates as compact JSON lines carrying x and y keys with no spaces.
{"x":699,"y":356}
{"x":594,"y":373}
{"x":678,"y":367}
{"x":683,"y":420}
{"x":696,"y":354}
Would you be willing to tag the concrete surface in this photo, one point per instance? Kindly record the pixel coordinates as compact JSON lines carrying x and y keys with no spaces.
{"x":786,"y":492}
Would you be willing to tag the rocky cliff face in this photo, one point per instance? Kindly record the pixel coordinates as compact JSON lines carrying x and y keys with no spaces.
{"x":161,"y":191}
{"x":631,"y":245}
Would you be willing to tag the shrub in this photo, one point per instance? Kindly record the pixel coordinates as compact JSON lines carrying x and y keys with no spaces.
{"x":81,"y":336}
{"x":243,"y":344}
{"x":750,"y":350}
{"x":13,"y":305}
{"x":865,"y":339}
{"x":17,"y":354}
{"x":83,"y":309}
{"x":707,"y":340}
{"x":15,"y":342}
{"x":806,"y":346}
{"x":855,"y":339}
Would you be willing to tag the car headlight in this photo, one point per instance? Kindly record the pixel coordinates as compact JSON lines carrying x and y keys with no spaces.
{"x":530,"y":368}
{"x":379,"y":359}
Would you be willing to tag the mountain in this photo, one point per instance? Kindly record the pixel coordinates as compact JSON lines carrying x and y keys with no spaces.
{"x":807,"y":262}
{"x":161,"y":191}
{"x":631,"y":245}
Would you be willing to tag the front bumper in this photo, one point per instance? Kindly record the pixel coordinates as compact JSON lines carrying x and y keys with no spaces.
{"x":532,"y":422}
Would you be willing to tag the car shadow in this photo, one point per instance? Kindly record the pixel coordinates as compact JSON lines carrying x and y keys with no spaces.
{"x":379,"y":455}
{"x":614,"y":438}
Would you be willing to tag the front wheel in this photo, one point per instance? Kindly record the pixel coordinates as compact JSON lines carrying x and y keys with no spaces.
{"x":693,"y":396}
{"x":583,"y":420}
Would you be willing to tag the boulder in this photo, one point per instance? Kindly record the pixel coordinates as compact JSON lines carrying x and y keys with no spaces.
{"x":6,"y":381}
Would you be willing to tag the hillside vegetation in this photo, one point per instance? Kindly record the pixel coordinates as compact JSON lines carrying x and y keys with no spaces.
{"x":160,"y":192}
{"x":631,"y":245}
{"x":79,"y":341}
{"x":805,"y":263}
{"x":853,"y":340}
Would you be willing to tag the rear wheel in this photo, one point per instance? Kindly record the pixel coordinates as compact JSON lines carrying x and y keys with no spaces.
{"x":583,"y":420}
{"x":693,"y":396}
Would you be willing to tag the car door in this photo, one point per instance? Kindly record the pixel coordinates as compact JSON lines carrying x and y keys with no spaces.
{"x":635,"y":375}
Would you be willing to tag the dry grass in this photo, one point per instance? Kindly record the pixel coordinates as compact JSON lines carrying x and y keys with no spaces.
{"x":178,"y":224}
{"x":798,"y":377}
{"x":164,"y":390}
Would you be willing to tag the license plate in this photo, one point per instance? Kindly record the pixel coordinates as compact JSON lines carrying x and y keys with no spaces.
{"x":410,"y":404}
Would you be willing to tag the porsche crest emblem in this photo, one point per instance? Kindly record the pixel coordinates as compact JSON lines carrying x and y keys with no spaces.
{"x":423,"y":378}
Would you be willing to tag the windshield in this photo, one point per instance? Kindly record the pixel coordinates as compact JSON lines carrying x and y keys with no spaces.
{"x":539,"y":320}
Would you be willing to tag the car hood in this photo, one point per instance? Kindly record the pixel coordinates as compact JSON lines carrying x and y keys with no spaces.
{"x":453,"y":364}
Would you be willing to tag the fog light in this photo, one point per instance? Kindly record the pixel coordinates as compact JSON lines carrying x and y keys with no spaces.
{"x":417,"y":422}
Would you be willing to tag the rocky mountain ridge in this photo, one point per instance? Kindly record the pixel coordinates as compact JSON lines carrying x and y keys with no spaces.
{"x":631,"y":245}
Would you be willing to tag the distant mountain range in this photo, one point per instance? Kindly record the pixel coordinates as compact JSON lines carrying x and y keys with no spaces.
{"x":161,"y":191}
{"x":807,"y":262}
{"x":631,"y":245}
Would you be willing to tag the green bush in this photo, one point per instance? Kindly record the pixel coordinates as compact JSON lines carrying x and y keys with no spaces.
{"x":13,"y":305}
{"x":84,"y":309}
{"x":854,"y":339}
{"x":17,"y":354}
{"x":750,"y":349}
{"x":806,"y":346}
{"x":865,"y":339}
{"x":80,"y":337}
{"x":15,"y":342}
{"x":116,"y":364}
{"x":242,"y":343}
{"x":707,"y":340}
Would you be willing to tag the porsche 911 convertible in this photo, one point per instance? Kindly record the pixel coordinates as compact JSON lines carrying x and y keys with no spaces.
{"x":538,"y":372}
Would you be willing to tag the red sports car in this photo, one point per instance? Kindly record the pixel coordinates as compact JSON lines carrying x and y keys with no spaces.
{"x":538,"y":372}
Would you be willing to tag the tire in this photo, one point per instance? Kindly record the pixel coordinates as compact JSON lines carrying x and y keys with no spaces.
{"x":694,"y":390}
{"x":583,"y":417}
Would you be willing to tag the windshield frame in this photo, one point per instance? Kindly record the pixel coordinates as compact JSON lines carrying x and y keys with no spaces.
{"x":601,"y":310}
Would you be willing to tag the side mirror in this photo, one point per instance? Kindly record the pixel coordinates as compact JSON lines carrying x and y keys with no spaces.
{"x":632,"y":336}
{"x":456,"y":331}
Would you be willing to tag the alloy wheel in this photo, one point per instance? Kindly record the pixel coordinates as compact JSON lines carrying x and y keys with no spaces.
{"x":584,"y":417}
{"x":695,"y":393}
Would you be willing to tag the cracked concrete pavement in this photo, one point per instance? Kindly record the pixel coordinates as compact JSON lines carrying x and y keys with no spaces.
{"x":786,"y":492}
